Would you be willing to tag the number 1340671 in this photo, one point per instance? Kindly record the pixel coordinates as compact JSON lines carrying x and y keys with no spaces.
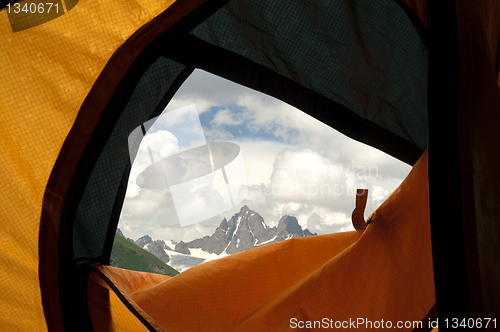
{"x":471,"y":323}
{"x":47,"y":7}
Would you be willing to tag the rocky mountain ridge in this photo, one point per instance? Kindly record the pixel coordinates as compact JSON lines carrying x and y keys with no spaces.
{"x":245,"y":230}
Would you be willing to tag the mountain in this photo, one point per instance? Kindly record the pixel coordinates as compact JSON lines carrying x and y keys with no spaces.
{"x":157,"y":248}
{"x":119,"y":232}
{"x":127,"y":255}
{"x":182,"y":248}
{"x":142,"y":241}
{"x":245,"y":230}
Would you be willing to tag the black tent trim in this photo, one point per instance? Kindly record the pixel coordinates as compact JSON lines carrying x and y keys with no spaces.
{"x":192,"y":51}
{"x":452,"y":227}
{"x":124,"y":300}
{"x":120,"y":197}
{"x":416,"y":21}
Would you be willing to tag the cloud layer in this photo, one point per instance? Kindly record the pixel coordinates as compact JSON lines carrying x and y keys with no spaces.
{"x":294,"y":164}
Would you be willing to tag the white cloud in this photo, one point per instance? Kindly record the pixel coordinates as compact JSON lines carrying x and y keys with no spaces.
{"x":284,"y":121}
{"x":202,"y":104}
{"x":206,"y":90}
{"x":225,"y":117}
{"x":258,"y":160}
{"x":162,"y":143}
{"x":217,"y":134}
{"x":304,"y":183}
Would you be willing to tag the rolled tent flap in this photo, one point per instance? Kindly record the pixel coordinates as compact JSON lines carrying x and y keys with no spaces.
{"x":383,"y":274}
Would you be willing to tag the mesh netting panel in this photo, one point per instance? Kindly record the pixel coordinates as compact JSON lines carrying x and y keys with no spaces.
{"x":94,"y":211}
{"x":363,"y":54}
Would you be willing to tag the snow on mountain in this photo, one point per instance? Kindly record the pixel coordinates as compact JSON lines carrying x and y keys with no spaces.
{"x":245,"y":230}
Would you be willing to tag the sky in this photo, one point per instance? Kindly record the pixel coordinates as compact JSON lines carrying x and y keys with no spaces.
{"x":288,"y":163}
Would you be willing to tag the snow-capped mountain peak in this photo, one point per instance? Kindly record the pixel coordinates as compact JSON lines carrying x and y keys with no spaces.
{"x":245,"y":230}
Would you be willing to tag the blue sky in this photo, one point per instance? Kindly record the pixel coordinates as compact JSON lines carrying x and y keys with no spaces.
{"x":242,"y":127}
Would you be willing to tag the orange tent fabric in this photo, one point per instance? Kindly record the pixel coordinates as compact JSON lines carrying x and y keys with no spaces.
{"x":383,"y":274}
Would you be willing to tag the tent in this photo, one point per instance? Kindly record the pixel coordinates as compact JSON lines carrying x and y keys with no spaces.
{"x":416,"y":79}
